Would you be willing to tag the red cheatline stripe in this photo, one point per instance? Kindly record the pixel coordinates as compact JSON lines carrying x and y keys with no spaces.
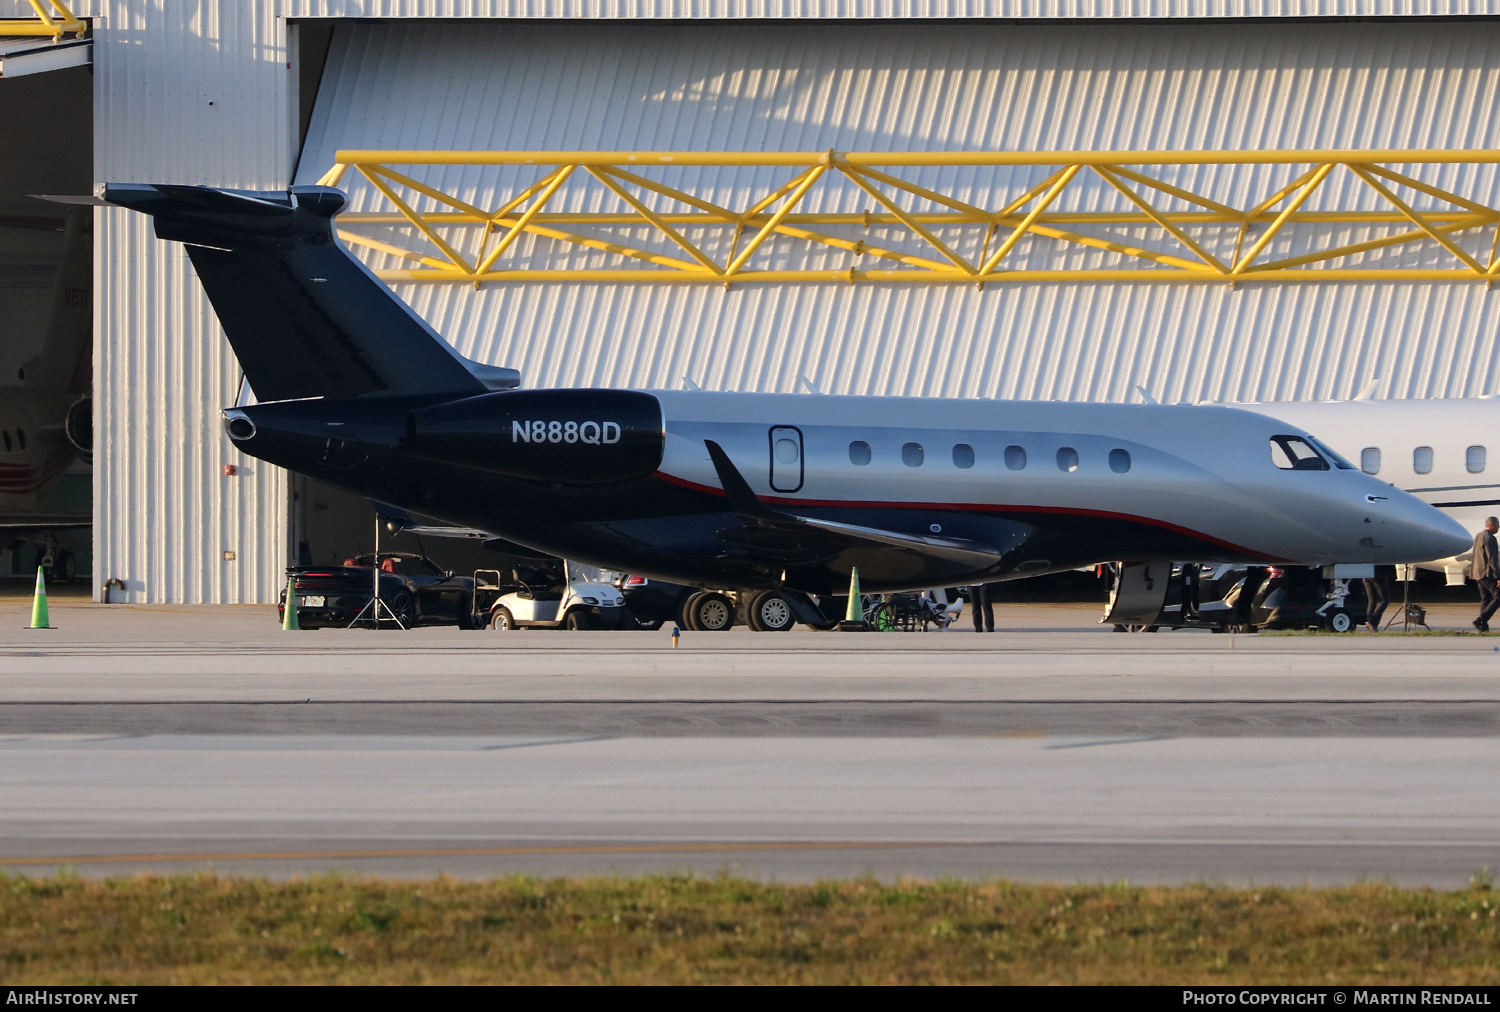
{"x":976,"y":508}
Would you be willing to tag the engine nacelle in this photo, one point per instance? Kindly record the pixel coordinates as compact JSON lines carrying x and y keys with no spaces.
{"x":573,"y":437}
{"x":79,"y":427}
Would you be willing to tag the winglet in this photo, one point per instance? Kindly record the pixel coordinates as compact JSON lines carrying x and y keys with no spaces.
{"x":737,"y":490}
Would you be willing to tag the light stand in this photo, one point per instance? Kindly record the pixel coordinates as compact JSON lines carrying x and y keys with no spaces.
{"x":376,"y":605}
{"x":1407,"y":574}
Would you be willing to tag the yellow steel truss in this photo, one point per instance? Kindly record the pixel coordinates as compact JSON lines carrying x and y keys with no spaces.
{"x":57,"y":22}
{"x":1165,"y":211}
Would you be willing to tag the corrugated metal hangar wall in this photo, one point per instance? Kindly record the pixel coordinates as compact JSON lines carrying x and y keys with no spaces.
{"x":872,"y":87}
{"x":206,"y":93}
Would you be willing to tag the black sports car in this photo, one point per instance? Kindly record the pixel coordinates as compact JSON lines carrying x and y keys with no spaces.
{"x":415,"y":590}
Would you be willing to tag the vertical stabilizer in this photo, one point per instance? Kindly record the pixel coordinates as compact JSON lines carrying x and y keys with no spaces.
{"x":306,"y":318}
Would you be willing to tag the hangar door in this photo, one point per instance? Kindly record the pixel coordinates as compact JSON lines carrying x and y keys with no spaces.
{"x":46,"y":337}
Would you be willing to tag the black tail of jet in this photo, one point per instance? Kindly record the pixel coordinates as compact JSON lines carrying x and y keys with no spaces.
{"x":305,"y":318}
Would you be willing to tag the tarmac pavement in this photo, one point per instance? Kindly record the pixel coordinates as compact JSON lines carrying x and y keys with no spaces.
{"x":173,"y":738}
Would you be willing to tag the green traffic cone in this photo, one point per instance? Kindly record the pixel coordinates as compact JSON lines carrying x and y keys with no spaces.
{"x":856,"y":610}
{"x":854,"y":615}
{"x":39,"y":618}
{"x":289,"y":612}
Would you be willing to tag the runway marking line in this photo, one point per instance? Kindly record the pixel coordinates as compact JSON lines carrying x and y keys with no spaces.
{"x":309,"y":855}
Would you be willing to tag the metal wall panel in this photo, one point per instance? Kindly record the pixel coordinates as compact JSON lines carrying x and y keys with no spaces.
{"x":189,"y":93}
{"x":867,"y":88}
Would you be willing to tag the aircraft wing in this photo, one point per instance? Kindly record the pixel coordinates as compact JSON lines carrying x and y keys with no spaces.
{"x":401,"y":522}
{"x":788,"y":534}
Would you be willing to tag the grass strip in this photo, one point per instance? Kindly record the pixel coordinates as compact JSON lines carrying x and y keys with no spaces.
{"x":680,"y":929}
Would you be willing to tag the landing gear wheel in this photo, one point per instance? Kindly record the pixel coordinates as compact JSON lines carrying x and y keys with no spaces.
{"x":684,"y":612}
{"x":501,"y":620}
{"x":1338,"y":621}
{"x":577,"y":621}
{"x":771,"y":612}
{"x":709,"y":612}
{"x":64,"y":567}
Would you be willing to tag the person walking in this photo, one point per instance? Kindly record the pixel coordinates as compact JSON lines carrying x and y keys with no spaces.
{"x":1378,"y":595}
{"x":1484,"y":567}
{"x":981,"y":608}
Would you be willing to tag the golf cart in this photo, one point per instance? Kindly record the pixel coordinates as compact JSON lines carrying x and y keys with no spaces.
{"x":547,"y":595}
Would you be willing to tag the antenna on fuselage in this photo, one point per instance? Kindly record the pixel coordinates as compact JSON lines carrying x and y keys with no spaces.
{"x":812,"y":387}
{"x":1145,"y":396}
{"x":690,"y":384}
{"x":1368,"y":391}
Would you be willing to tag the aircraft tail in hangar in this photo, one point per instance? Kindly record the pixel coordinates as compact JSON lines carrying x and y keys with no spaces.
{"x":305,"y":318}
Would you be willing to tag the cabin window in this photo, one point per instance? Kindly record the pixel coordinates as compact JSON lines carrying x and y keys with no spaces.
{"x":859,"y":453}
{"x":1421,"y":460}
{"x":912,"y":455}
{"x":963,"y":455}
{"x":1067,"y":459}
{"x":1474,"y":459}
{"x":1292,"y":453}
{"x":786,"y":451}
{"x":1015,"y":457}
{"x":5,"y":437}
{"x":1369,"y":460}
{"x":1119,"y":461}
{"x":21,"y":438}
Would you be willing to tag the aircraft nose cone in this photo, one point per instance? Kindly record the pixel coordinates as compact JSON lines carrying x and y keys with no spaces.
{"x":1428,"y":533}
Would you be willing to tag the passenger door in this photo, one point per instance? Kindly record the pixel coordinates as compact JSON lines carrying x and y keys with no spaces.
{"x":786,"y":458}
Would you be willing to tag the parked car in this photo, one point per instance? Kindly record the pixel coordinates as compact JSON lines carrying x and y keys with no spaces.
{"x":654,"y":603}
{"x":1238,"y":599}
{"x":547,"y":595}
{"x":414,"y":588}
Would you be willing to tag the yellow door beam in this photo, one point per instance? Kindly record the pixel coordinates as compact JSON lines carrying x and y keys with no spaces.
{"x":1202,"y":236}
{"x":57,"y":22}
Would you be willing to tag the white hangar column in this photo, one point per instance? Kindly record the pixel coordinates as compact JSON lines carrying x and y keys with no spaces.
{"x":194,"y":92}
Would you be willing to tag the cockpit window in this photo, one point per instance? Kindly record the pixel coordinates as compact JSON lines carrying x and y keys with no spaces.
{"x":1338,"y":462}
{"x":1292,"y":453}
